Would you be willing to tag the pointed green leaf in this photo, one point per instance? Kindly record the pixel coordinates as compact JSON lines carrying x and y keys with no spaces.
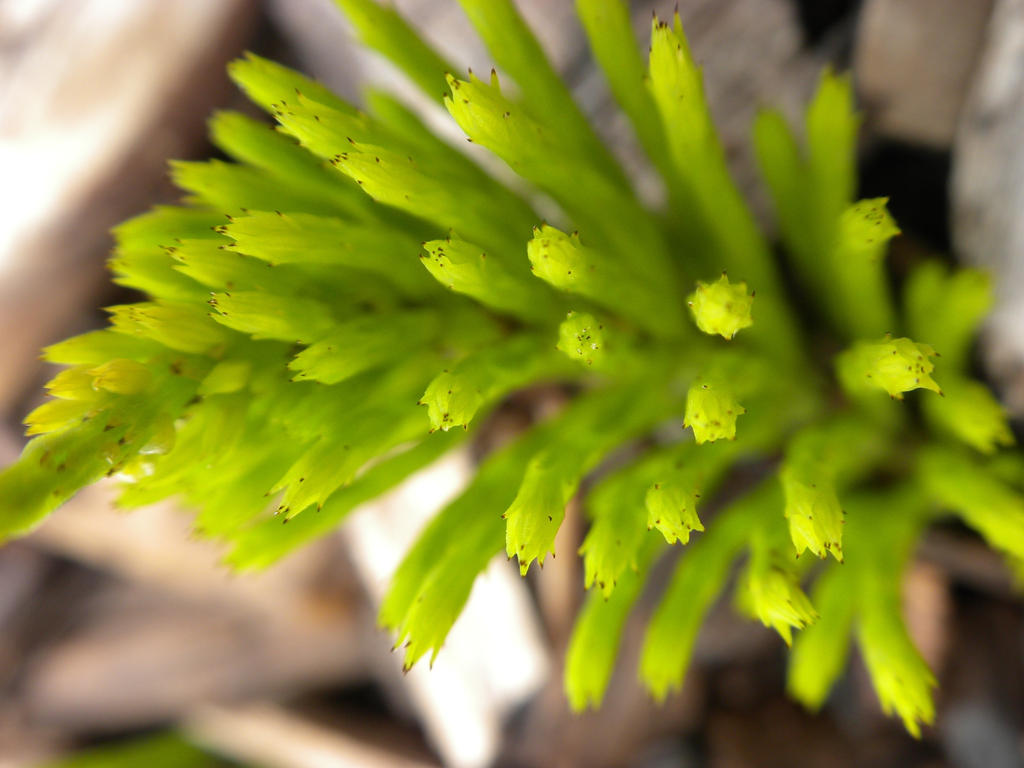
{"x":361,"y":344}
{"x":305,"y":239}
{"x":610,"y":33}
{"x":836,"y":245}
{"x":258,"y":144}
{"x":382,"y":28}
{"x":617,"y":533}
{"x":517,"y":52}
{"x":769,"y":588}
{"x":233,"y":189}
{"x":334,"y":460}
{"x":597,"y":633}
{"x":270,"y":84}
{"x":820,"y":651}
{"x":610,"y":214}
{"x":592,"y":426}
{"x":946,"y":307}
{"x":988,"y":505}
{"x":265,"y":543}
{"x":433,"y":581}
{"x":726,"y":225}
{"x":698,"y":579}
{"x":179,"y":326}
{"x":970,"y":412}
{"x":465,"y":268}
{"x":265,"y":316}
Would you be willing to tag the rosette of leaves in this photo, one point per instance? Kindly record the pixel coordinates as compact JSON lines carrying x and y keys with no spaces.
{"x":349,"y":296}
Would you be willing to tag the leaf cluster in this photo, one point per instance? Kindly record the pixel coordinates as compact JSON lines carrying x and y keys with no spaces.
{"x":350,"y":296}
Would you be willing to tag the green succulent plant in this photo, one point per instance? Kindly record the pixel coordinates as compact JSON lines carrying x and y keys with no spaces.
{"x":351,"y":296}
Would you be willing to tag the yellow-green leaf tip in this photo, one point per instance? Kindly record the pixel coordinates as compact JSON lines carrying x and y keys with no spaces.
{"x":867,"y":226}
{"x":773,"y":596}
{"x":558,"y":258}
{"x":970,"y":412}
{"x":814,"y":514}
{"x":672,"y":510}
{"x":901,"y":677}
{"x":451,"y":401}
{"x":533,"y":518}
{"x":711,"y":412}
{"x":894,"y":365}
{"x":123,"y":377}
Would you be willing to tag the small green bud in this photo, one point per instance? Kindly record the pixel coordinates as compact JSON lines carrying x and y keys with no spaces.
{"x":711,"y":412}
{"x":561,"y":260}
{"x":536,"y":513}
{"x":581,"y":337}
{"x":452,"y":400}
{"x":672,"y":510}
{"x":865,"y":228}
{"x":895,"y":365}
{"x":457,"y":394}
{"x":773,"y":595}
{"x":815,"y":517}
{"x":457,"y":265}
{"x":721,"y":308}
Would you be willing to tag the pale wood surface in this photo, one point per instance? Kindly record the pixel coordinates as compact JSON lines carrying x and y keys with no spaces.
{"x":913,"y":61}
{"x":988,"y":190}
